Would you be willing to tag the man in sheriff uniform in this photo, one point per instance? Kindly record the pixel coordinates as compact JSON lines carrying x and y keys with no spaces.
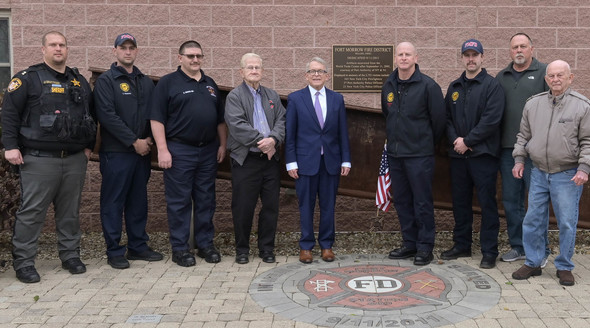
{"x":48,"y":132}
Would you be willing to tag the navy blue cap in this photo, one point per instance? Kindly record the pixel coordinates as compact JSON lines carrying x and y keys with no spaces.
{"x":121,"y":38}
{"x":472,"y":44}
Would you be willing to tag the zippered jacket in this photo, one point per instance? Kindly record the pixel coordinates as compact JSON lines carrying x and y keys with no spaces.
{"x":414,"y":113}
{"x":555,"y":135}
{"x":530,"y":83}
{"x":121,"y":102}
{"x":474,"y":112}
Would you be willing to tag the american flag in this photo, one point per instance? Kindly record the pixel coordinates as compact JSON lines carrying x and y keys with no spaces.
{"x":383,"y":195}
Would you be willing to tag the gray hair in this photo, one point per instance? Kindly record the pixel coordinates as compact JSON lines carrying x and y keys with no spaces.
{"x":249,"y":55}
{"x":317,"y":60}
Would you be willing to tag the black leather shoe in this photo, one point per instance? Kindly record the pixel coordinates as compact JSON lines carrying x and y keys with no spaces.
{"x":148,"y":255}
{"x":267,"y":257}
{"x":210,"y":254}
{"x":487,"y":262}
{"x":402,"y":253}
{"x":455,"y":253}
{"x":28,"y":275}
{"x":423,"y":258}
{"x":183,"y":258}
{"x":242,"y":258}
{"x":74,"y":265}
{"x":118,"y":262}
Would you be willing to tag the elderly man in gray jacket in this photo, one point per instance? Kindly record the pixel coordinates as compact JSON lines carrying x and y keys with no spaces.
{"x":555,"y":133}
{"x":256,"y":121}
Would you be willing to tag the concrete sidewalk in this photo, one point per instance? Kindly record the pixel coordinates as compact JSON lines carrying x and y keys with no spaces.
{"x":163,"y":294}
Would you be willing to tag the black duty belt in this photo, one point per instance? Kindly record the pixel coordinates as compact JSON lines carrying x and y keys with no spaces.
{"x":49,"y":153}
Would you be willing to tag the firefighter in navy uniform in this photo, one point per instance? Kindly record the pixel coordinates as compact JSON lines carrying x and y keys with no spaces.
{"x":48,"y":132}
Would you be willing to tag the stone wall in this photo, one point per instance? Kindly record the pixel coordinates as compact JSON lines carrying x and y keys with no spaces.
{"x":287,"y":33}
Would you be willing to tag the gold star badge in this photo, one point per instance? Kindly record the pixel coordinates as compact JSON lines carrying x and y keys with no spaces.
{"x":76,"y":83}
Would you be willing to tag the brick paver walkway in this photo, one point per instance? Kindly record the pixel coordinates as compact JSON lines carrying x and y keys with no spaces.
{"x":162,"y":294}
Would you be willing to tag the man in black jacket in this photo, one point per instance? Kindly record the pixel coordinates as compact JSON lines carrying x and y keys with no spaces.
{"x":475,"y":103}
{"x":413,"y":106}
{"x":121,"y":98}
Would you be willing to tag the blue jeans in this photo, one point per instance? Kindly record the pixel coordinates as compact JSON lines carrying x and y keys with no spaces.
{"x":564,"y":195}
{"x":513,"y":196}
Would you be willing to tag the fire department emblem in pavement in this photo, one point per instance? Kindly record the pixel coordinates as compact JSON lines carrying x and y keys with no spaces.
{"x":373,"y":291}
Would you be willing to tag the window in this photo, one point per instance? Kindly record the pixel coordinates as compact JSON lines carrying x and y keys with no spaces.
{"x":5,"y":71}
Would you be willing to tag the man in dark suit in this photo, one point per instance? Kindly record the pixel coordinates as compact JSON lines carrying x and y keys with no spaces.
{"x":317,"y":153}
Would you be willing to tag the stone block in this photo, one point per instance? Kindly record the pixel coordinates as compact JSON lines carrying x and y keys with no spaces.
{"x":376,"y":35}
{"x":557,"y":17}
{"x":329,"y":36}
{"x":252,"y":37}
{"x":169,"y":36}
{"x":212,"y":36}
{"x":437,"y":16}
{"x":231,"y":15}
{"x":321,"y":16}
{"x":517,"y":16}
{"x":420,"y":37}
{"x":572,"y":37}
{"x":191,"y":15}
{"x":293,"y":37}
{"x":106,"y":14}
{"x":354,"y":16}
{"x":396,"y":16}
{"x":273,"y":16}
{"x":57,"y":12}
{"x":149,"y":15}
{"x":85,"y":35}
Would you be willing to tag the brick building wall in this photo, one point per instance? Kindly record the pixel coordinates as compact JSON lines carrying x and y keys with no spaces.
{"x":287,"y":33}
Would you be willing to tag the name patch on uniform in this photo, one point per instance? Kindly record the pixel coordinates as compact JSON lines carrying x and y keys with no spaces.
{"x":211,"y":90}
{"x":57,"y":88}
{"x":455,"y":96}
{"x":531,"y":77}
{"x":124,"y":87}
{"x":188,"y":91}
{"x":14,"y":84}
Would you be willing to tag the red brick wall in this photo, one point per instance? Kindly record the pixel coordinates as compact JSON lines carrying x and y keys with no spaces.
{"x":287,"y":33}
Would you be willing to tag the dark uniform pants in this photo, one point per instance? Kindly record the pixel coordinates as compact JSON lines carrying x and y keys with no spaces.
{"x":411,"y":185}
{"x":124,"y":190}
{"x":46,"y":180}
{"x":258,"y":176}
{"x":480,"y":172}
{"x":190,"y":191}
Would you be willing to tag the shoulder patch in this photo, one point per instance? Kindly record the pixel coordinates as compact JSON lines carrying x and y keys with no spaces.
{"x":14,"y":84}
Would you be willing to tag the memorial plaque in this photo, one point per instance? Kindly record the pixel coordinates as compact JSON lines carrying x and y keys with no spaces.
{"x":361,"y":68}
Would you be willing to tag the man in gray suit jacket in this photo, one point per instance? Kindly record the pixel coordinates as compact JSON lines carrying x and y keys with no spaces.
{"x":256,"y":122}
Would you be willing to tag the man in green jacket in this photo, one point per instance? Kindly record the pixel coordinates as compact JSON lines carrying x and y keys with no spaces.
{"x":521,"y":79}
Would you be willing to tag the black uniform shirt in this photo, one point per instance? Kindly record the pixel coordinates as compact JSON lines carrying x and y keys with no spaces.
{"x":24,"y":92}
{"x":189,"y":109}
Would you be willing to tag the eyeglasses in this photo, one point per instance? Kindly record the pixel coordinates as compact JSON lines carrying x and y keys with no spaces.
{"x":252,"y":68}
{"x":316,"y":71}
{"x":191,"y":57}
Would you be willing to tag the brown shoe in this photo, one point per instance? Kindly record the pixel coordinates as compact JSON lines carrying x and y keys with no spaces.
{"x":327,"y":255}
{"x":526,"y":272}
{"x":305,"y":256}
{"x":566,"y":278}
